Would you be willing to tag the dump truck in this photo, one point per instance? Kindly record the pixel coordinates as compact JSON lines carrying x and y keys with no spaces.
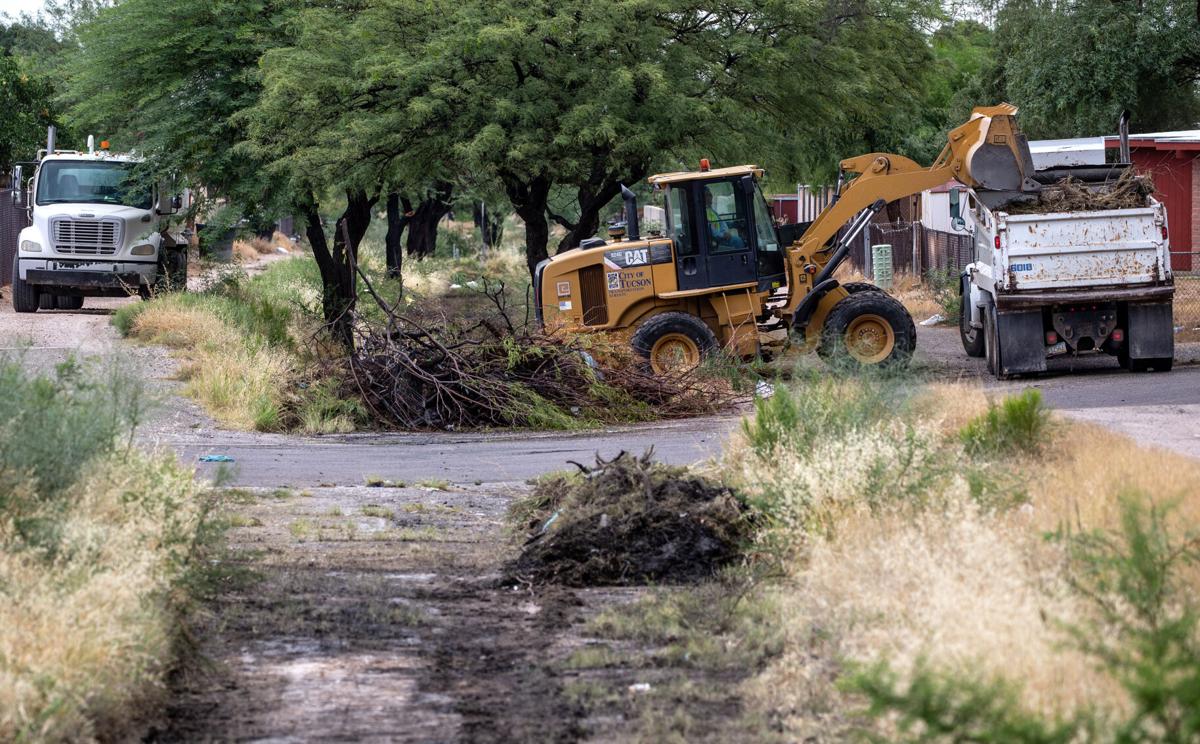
{"x":723,"y":271}
{"x":1047,"y":281}
{"x":95,"y":231}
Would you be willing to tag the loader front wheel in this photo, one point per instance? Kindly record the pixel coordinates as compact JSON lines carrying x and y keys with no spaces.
{"x":868,"y":329}
{"x":673,"y":343}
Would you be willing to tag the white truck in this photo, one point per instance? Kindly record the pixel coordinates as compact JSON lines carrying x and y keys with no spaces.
{"x":95,"y":232}
{"x":1048,"y":284}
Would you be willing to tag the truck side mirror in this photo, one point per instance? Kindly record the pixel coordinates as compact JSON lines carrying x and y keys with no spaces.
{"x":956,"y":220}
{"x":166,"y":204}
{"x":18,"y":184}
{"x":176,"y":203}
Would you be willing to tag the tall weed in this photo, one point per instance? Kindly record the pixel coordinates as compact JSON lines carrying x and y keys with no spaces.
{"x":1018,"y":423}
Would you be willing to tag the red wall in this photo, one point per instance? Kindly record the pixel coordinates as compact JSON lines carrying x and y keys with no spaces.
{"x":1174,"y":188}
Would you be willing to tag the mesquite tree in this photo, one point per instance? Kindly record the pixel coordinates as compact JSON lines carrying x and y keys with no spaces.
{"x":561,"y":101}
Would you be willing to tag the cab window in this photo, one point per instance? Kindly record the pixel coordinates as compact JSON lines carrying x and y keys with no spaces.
{"x":725,"y":218}
{"x":680,"y":225}
{"x":763,"y":225}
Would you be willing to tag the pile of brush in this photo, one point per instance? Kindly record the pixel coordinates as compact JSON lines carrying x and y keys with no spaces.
{"x":628,"y":520}
{"x":1129,"y":191}
{"x":494,"y":373}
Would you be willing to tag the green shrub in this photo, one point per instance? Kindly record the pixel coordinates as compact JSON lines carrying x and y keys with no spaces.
{"x":944,"y":283}
{"x":1018,"y":423}
{"x":946,"y":707}
{"x":796,"y":416}
{"x":53,"y":426}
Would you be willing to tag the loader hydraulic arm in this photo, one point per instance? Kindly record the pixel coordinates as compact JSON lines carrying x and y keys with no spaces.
{"x":986,"y":152}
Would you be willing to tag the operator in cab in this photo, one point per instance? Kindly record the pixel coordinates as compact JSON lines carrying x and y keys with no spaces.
{"x":723,"y":236}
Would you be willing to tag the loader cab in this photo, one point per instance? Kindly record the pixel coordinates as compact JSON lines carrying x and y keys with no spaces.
{"x":721,"y":229}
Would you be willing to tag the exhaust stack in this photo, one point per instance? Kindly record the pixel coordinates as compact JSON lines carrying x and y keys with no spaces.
{"x":51,"y":138}
{"x":631,"y":215}
{"x":1123,"y":129}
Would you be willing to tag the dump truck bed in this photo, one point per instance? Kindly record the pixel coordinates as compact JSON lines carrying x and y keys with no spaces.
{"x":1075,"y":250}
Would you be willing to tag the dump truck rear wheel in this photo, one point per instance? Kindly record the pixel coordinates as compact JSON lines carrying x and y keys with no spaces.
{"x":869,"y":328}
{"x":673,"y":343}
{"x":68,"y":302}
{"x":972,"y":338}
{"x":24,"y":295}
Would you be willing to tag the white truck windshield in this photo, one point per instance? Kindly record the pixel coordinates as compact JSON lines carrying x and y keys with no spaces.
{"x":78,"y":182}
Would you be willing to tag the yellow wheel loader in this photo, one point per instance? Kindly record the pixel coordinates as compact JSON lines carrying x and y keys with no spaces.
{"x":723,"y":269}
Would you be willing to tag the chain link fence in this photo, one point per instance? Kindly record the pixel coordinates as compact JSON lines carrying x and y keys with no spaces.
{"x":13,"y":219}
{"x":1187,"y":296}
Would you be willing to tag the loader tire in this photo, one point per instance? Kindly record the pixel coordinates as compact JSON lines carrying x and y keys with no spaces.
{"x":972,"y":338}
{"x":25,"y":297}
{"x":673,"y":343}
{"x":868,"y":329}
{"x":857,"y":287}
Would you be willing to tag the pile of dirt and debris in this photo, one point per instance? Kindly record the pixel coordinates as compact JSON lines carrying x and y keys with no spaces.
{"x":1129,"y":191}
{"x":628,"y":520}
{"x":494,"y":372}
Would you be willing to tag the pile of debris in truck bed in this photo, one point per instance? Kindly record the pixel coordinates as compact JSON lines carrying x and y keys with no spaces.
{"x":628,"y":520}
{"x":1129,"y":191}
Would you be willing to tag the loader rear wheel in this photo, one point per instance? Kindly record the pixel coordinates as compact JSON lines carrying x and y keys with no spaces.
{"x":868,"y":328}
{"x":673,"y":343}
{"x":24,"y":295}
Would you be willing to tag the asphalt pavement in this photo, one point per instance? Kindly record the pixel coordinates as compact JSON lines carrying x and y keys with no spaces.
{"x":1158,"y":409}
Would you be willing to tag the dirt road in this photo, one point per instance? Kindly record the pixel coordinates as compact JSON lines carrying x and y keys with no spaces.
{"x":357,"y":613}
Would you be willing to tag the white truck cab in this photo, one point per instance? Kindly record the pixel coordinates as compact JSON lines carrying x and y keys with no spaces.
{"x":95,"y":232}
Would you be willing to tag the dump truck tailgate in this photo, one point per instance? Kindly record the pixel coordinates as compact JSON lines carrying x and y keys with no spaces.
{"x":1083,"y":249}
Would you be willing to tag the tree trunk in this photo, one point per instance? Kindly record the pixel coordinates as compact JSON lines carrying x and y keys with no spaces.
{"x":338,"y":282}
{"x":490,"y":223}
{"x":422,"y":227}
{"x":530,"y":199}
{"x":397,"y":220}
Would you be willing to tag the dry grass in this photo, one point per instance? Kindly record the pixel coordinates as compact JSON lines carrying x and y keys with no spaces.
{"x":250,"y":250}
{"x":877,"y":573}
{"x":241,"y":384}
{"x":86,"y":639}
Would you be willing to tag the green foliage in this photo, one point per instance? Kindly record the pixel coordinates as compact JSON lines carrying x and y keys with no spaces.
{"x":27,"y":102}
{"x":1018,"y":423}
{"x":170,"y":78}
{"x":1144,"y":633}
{"x":944,"y":707}
{"x":1073,"y":67}
{"x":1146,"y":629}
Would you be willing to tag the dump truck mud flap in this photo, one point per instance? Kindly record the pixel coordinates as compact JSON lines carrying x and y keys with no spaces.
{"x":1151,"y":331}
{"x":1022,"y":348}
